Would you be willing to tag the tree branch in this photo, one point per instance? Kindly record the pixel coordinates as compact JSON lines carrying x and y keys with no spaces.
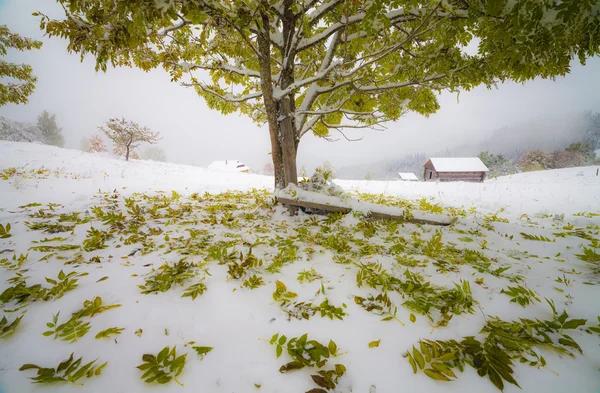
{"x":228,"y":97}
{"x":221,"y":66}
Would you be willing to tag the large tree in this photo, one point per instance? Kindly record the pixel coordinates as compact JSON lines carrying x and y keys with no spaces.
{"x":326,"y":65}
{"x":19,"y":81}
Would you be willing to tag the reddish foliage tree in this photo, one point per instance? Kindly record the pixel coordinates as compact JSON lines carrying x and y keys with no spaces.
{"x":97,"y":144}
{"x":534,"y":160}
{"x":566,"y":159}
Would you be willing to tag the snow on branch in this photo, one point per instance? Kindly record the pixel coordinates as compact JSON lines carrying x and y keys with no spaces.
{"x":225,"y":97}
{"x":179,"y":25}
{"x":218,"y":66}
{"x":320,"y":11}
{"x":296,"y":85}
{"x":395,"y":16}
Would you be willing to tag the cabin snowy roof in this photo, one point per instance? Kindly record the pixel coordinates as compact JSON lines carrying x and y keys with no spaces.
{"x":407,"y":176}
{"x":458,"y":164}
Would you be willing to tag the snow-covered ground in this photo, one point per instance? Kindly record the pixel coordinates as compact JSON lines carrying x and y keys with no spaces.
{"x":499,"y":219}
{"x":557,"y":191}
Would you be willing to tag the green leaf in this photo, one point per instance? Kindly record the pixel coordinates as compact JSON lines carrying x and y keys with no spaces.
{"x":574,"y":323}
{"x":163,"y":367}
{"x":108,"y":332}
{"x":162,"y":354}
{"x":98,"y":370}
{"x":64,"y":364}
{"x":164,"y":379}
{"x":28,"y":366}
{"x":203,"y":350}
{"x":496,"y":379}
{"x":332,"y":347}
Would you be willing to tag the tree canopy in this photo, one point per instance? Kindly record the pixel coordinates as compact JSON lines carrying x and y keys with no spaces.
{"x":328,"y":65}
{"x":23,"y":84}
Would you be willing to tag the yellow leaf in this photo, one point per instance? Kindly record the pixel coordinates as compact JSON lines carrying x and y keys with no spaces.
{"x":433,"y":374}
{"x":374,"y":344}
{"x":418,"y":358}
{"x":443,"y":369}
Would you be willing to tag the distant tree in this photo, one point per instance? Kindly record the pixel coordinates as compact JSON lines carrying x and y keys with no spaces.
{"x":592,"y":135}
{"x":16,"y":93}
{"x":321,"y":66}
{"x":154,"y":153}
{"x":368,"y":176}
{"x":534,"y":160}
{"x":84,"y":144}
{"x":18,"y":132}
{"x":96,"y":144}
{"x":127,"y":136}
{"x":566,"y":159}
{"x":583,"y":149}
{"x":268,"y":169}
{"x":491,"y":160}
{"x":497,"y":164}
{"x":51,"y":134}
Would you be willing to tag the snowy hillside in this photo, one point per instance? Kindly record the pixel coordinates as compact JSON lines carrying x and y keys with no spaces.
{"x":115,"y":261}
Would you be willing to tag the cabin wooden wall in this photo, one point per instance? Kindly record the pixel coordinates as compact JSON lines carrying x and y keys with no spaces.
{"x":430,"y":174}
{"x":477,"y":177}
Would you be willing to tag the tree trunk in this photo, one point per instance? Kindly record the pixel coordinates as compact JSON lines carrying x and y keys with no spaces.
{"x":264,"y":49}
{"x":127,"y":153}
{"x":283,"y":135}
{"x":287,"y":127}
{"x":288,"y":144}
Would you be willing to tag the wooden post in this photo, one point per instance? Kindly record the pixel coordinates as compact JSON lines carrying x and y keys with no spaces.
{"x":288,"y":145}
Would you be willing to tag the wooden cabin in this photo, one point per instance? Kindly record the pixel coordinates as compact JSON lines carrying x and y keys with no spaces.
{"x":408,"y":176}
{"x":469,"y":169}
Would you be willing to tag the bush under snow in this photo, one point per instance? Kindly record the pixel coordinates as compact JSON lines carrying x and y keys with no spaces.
{"x":15,"y":131}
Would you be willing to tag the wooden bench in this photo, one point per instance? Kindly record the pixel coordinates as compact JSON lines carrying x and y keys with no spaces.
{"x":431,"y":219}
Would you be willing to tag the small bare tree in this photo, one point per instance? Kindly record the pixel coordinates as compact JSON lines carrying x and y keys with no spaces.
{"x":128,"y":135}
{"x":96,"y":144}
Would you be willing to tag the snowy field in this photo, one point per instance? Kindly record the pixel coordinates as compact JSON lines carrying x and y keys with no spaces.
{"x":204,"y":262}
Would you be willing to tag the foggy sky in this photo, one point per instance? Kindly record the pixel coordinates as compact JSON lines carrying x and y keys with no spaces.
{"x":193,"y":134}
